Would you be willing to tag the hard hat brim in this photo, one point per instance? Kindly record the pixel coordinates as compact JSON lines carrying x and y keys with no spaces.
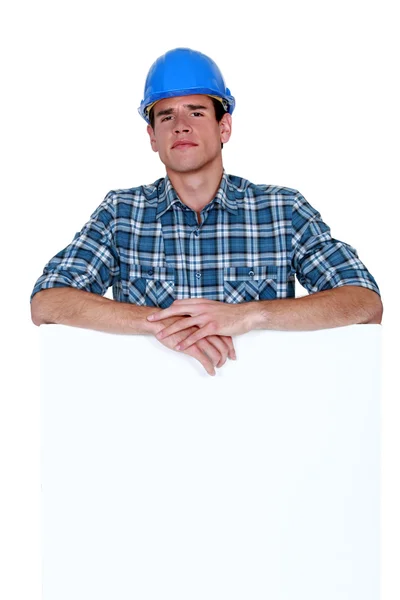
{"x":227,"y":100}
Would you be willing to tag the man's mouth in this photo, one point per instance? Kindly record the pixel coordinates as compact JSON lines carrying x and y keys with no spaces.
{"x":183,"y":144}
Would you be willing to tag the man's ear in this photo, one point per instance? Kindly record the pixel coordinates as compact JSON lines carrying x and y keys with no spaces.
{"x":152,"y":137}
{"x":225,"y":128}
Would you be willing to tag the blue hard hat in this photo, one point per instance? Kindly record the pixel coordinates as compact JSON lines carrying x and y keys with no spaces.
{"x":183,"y":72}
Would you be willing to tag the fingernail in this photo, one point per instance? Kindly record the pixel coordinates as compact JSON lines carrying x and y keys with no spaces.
{"x":150,"y":317}
{"x":178,"y":347}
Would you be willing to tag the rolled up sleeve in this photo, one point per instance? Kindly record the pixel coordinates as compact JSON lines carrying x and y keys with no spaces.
{"x":91,"y":261}
{"x":319,"y":261}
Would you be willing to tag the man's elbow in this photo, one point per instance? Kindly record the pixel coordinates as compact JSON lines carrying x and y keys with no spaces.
{"x":38,"y":311}
{"x":374,"y":308}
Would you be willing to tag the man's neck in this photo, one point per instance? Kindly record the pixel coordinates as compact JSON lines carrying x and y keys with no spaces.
{"x":196,"y":188}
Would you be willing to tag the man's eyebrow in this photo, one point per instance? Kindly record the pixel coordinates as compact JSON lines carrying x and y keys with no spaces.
{"x":196,"y":106}
{"x":169,"y":111}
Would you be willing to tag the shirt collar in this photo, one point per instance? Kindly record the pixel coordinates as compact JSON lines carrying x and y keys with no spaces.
{"x":227,"y":195}
{"x":167,"y":196}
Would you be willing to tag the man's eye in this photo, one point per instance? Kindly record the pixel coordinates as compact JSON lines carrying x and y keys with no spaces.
{"x":165,"y":118}
{"x":197,"y":113}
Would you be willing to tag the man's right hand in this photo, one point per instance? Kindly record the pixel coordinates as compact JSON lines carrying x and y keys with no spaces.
{"x":211,"y":351}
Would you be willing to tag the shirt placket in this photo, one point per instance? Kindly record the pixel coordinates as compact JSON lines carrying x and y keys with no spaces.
{"x":181,"y":234}
{"x":195,"y":269}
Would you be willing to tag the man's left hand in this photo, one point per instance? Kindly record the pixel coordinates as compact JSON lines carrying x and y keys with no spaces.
{"x":210,"y":316}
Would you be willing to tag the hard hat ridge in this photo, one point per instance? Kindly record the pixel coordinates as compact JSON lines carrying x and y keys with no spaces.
{"x":184,"y":72}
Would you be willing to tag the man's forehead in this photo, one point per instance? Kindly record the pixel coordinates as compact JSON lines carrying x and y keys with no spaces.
{"x":176,"y":101}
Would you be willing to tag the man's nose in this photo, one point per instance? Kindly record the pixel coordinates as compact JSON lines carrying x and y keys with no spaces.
{"x":181,"y":124}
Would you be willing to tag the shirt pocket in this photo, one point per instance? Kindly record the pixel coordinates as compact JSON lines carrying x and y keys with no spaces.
{"x":246,"y":284}
{"x":151,"y":286}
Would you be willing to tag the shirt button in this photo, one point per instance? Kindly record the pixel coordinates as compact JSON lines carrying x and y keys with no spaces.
{"x":150,"y":272}
{"x":251,"y":272}
{"x":198,"y":275}
{"x":196,"y":232}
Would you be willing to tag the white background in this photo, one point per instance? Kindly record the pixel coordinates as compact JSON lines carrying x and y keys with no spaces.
{"x":316,"y":86}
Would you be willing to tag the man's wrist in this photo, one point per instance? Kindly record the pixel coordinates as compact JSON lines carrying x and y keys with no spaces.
{"x":256,"y":315}
{"x":136,"y":318}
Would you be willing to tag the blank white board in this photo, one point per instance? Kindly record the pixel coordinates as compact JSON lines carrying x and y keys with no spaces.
{"x":160,"y":482}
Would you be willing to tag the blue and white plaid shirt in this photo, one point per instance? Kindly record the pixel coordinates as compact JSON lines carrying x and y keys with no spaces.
{"x":250,"y":244}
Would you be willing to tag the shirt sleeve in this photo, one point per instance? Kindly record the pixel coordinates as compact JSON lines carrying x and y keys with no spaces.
{"x":91,"y":261}
{"x":319,"y":261}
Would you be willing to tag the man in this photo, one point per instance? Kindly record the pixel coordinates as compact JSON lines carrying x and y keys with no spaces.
{"x":200,"y":256}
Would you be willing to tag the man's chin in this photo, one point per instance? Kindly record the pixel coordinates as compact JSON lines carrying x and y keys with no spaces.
{"x":184,"y":168}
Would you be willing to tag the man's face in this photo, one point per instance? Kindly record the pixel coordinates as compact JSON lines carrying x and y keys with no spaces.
{"x":186,"y":133}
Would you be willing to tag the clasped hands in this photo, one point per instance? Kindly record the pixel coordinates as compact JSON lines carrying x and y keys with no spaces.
{"x":202,"y":328}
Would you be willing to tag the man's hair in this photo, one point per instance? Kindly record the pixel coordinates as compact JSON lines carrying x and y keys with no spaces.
{"x":219,"y":112}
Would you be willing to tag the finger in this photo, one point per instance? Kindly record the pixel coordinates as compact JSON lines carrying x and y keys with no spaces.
{"x":214,"y":353}
{"x":176,"y":327}
{"x":199,"y":334}
{"x":171,"y":311}
{"x":180,"y":308}
{"x":196,"y":353}
{"x":219,"y":345}
{"x":229,"y":341}
{"x":190,"y":301}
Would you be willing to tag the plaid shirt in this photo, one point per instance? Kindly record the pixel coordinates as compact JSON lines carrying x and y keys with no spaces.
{"x":251,"y":242}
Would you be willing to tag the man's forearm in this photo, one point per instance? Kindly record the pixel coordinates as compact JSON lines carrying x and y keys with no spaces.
{"x":70,"y":306}
{"x":331,"y":308}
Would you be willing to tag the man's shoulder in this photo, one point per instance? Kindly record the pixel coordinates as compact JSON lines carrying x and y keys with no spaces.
{"x":146,"y":192}
{"x":248,"y":188}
